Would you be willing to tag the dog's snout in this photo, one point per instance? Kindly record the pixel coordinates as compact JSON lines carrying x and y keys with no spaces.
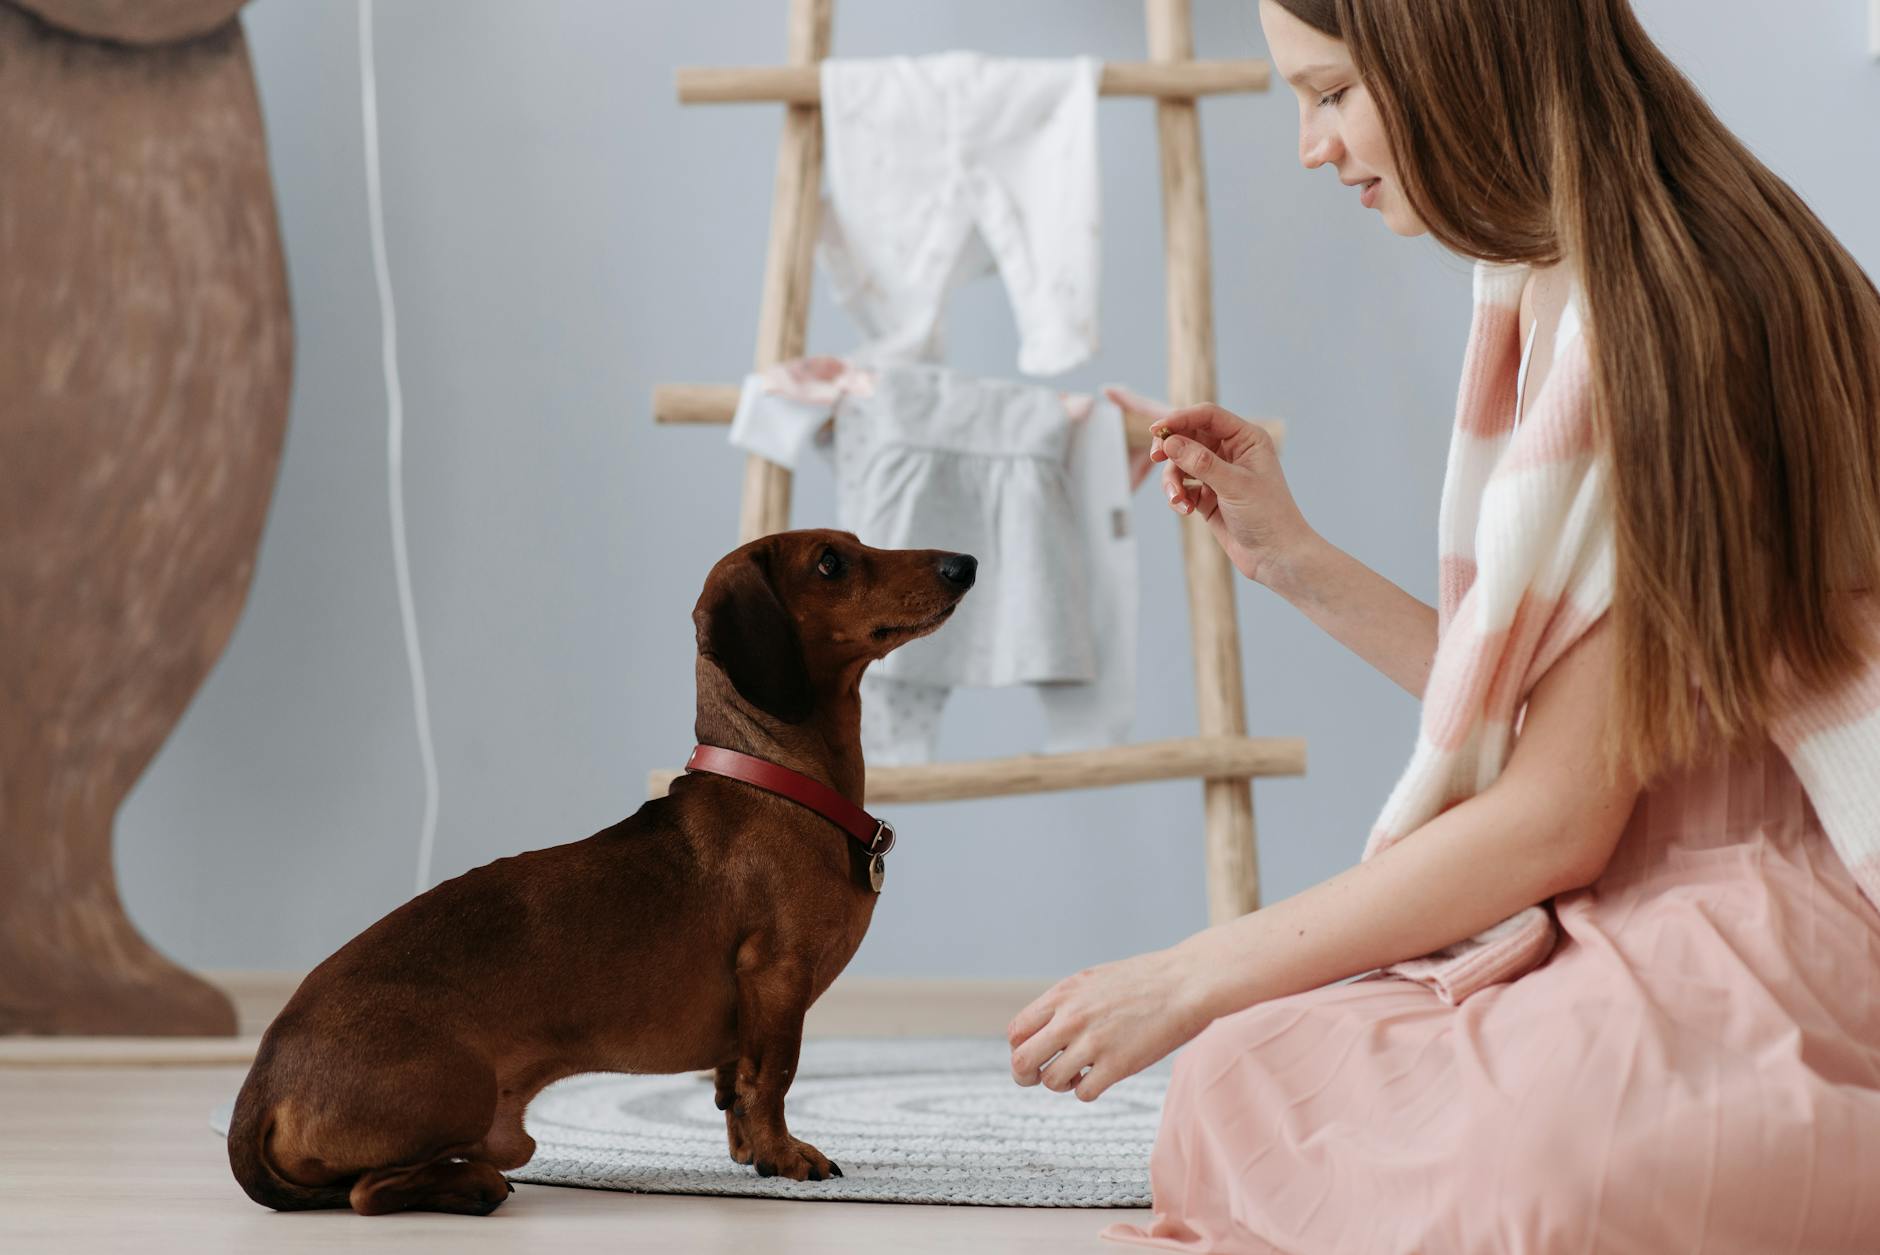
{"x":959,"y":569}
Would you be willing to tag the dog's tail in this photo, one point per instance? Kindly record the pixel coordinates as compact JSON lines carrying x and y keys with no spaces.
{"x":248,"y":1135}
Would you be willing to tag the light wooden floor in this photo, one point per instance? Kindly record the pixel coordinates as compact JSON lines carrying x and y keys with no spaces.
{"x":98,"y":1156}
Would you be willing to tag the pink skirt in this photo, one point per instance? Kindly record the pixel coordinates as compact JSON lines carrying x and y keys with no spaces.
{"x":1696,"y":1068}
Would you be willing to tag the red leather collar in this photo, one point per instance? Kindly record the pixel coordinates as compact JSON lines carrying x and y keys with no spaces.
{"x":876,"y":836}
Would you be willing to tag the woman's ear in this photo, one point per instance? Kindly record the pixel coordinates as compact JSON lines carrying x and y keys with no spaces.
{"x":742,"y":626}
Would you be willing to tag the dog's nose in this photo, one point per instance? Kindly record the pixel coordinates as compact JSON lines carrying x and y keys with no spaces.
{"x":959,"y":569}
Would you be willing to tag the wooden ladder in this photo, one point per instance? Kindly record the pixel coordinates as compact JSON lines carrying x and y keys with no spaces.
{"x":1223,"y":756}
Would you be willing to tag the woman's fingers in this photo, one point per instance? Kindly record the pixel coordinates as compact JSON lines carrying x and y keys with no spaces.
{"x":1030,"y":1036}
{"x":1063,"y":1073}
{"x":1101,"y":1076}
{"x":1030,"y":1056}
{"x":1188,"y":495}
{"x":1036,"y":1015}
{"x":1076,"y":1067}
{"x":1195,"y":460}
{"x":1207,"y":423}
{"x":1029,"y":1060}
{"x":1176,"y":488}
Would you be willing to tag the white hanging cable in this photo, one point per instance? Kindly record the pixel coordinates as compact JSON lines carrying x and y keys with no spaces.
{"x":395,"y":441}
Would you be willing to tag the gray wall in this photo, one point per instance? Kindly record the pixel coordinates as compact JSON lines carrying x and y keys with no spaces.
{"x":562,"y":236}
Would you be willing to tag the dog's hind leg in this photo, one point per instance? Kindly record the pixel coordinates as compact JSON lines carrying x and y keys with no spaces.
{"x":468,"y":1180}
{"x":414,"y":1130}
{"x":469,"y":1187}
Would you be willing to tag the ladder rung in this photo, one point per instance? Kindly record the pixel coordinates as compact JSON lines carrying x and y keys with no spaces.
{"x":709,"y":403}
{"x":802,"y":84}
{"x":1185,"y":758}
{"x":702,"y":403}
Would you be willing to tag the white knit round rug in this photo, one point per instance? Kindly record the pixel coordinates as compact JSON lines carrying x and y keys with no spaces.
{"x":925,"y":1120}
{"x":909,"y":1120}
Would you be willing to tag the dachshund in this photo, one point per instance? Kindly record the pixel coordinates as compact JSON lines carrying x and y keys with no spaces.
{"x":692,"y":935}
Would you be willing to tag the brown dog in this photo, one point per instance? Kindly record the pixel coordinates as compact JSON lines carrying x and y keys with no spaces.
{"x":693,"y":935}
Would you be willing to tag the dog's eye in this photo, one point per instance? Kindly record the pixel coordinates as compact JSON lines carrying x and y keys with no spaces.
{"x":830,"y":565}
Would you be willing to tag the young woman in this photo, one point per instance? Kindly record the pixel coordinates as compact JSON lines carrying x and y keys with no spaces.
{"x":1696,"y":1064}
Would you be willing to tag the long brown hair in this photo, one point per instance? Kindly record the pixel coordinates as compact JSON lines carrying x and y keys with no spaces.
{"x":1735,"y":343}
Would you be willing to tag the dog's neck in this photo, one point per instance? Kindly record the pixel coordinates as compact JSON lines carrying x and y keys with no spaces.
{"x":826,"y":747}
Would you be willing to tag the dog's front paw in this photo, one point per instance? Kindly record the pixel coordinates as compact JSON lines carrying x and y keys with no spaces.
{"x":797,"y":1160}
{"x":734,"y":1134}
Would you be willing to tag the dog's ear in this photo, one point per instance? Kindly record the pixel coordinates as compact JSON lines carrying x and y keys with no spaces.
{"x":743,"y":627}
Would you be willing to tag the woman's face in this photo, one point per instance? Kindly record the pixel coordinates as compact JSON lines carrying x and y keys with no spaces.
{"x":1338,"y":120}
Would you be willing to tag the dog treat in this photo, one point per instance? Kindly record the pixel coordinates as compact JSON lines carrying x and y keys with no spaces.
{"x":1189,"y":481}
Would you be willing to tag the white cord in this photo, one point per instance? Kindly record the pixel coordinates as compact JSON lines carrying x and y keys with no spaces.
{"x":395,"y":442}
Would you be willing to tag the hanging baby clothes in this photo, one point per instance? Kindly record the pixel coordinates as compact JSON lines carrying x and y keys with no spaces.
{"x":1033,"y":483}
{"x":941,"y":167}
{"x":935,"y":460}
{"x":1103,"y":478}
{"x":932,"y":459}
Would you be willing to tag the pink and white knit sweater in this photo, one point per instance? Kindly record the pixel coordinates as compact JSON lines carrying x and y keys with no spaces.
{"x":1526,"y":537}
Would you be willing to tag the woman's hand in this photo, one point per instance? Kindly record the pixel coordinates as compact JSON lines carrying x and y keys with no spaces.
{"x":1114,"y":1020}
{"x":1242,"y":493}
